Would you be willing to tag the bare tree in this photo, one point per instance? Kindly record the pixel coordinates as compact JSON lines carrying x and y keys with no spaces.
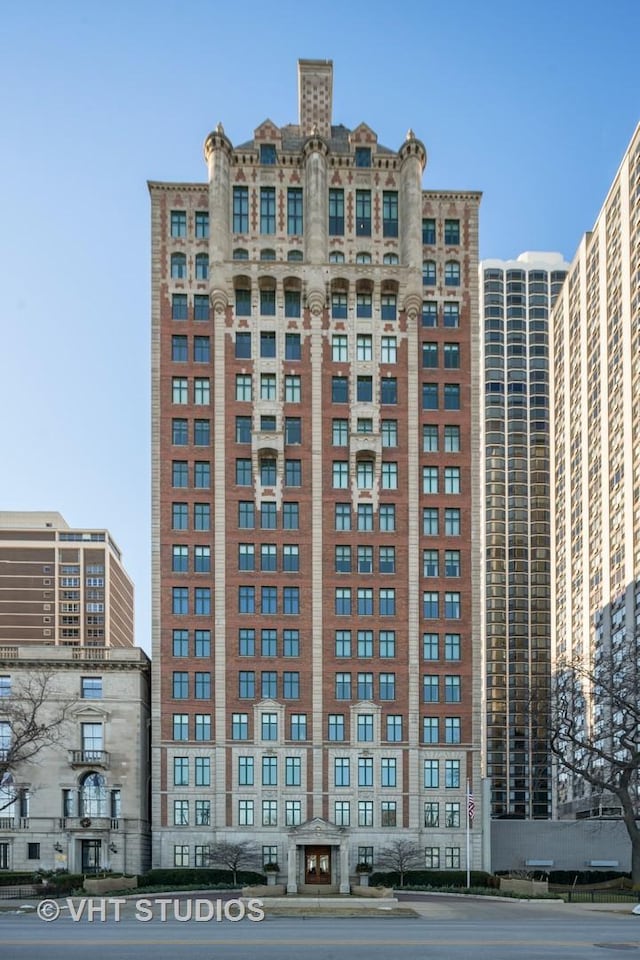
{"x":595,"y":730}
{"x":236,"y":856}
{"x":32,"y":718}
{"x":400,"y":856}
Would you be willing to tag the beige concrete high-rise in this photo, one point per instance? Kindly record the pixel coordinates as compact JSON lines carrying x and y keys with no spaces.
{"x":596,"y":444}
{"x":516,"y":301}
{"x":60,"y":585}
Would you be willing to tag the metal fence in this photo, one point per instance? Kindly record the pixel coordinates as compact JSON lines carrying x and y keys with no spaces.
{"x":601,"y":896}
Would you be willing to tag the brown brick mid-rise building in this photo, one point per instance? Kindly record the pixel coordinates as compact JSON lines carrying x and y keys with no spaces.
{"x":316,"y":532}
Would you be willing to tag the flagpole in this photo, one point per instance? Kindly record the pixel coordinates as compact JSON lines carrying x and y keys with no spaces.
{"x":468,"y":839}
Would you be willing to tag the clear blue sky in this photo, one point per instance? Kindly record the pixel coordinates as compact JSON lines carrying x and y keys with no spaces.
{"x":534,"y":104}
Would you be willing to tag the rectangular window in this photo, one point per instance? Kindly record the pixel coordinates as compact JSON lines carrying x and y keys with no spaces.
{"x":430,"y":605}
{"x":451,"y":314}
{"x":298,"y":726}
{"x":364,"y":728}
{"x":291,"y":685}
{"x":429,"y":313}
{"x":201,"y":516}
{"x":245,"y":813}
{"x":180,"y":685}
{"x":179,"y":306}
{"x":429,"y":355}
{"x":388,"y":309}
{"x":180,"y":646}
{"x":202,"y":685}
{"x":246,"y":599}
{"x":292,"y":388}
{"x":339,"y":306}
{"x":428,"y":231}
{"x":180,"y":772}
{"x":290,"y":515}
{"x":268,"y":515}
{"x":430,"y":563}
{"x":178,"y":223}
{"x":179,"y":601}
{"x":432,"y":858}
{"x":90,"y":687}
{"x":267,"y":210}
{"x":452,"y":480}
{"x":389,"y":213}
{"x":239,"y":726}
{"x":389,"y":475}
{"x":452,"y":730}
{"x":200,"y":307}
{"x":387,"y":602}
{"x":201,"y":349}
{"x":387,"y":516}
{"x":387,"y":644}
{"x":246,"y":684}
{"x":389,"y":433}
{"x":292,"y":813}
{"x":430,"y":480}
{"x":430,"y":646}
{"x":339,"y":347}
{"x":452,"y":646}
{"x":342,"y":813}
{"x":269,"y":771}
{"x":180,"y":726}
{"x":202,"y":433}
{"x":451,"y":233}
{"x":430,"y":688}
{"x":452,"y":858}
{"x":431,"y":774}
{"x":240,"y":209}
{"x":336,"y":213}
{"x":430,"y":730}
{"x":341,"y":772}
{"x":201,"y":391}
{"x":394,"y":728}
{"x":203,"y":772}
{"x":292,"y":771}
{"x":430,"y":521}
{"x":179,"y":349}
{"x":202,"y":224}
{"x":387,"y":686}
{"x":243,"y":386}
{"x":203,"y":817}
{"x":429,"y":396}
{"x":365,"y":813}
{"x":364,"y":307}
{"x":292,"y":303}
{"x":388,"y":390}
{"x":388,"y":350}
{"x":452,"y":689}
{"x":203,"y":726}
{"x":432,"y":813}
{"x":452,"y":774}
{"x":363,"y":213}
{"x":179,"y":474}
{"x":290,"y":643}
{"x":452,"y":396}
{"x":340,"y":474}
{"x":245,"y":771}
{"x":364,"y":347}
{"x":452,"y":605}
{"x":452,"y":522}
{"x":452,"y":439}
{"x":342,"y":516}
{"x":451,"y":356}
{"x":335,"y":726}
{"x":243,"y":303}
{"x":291,"y":600}
{"x":247,"y":642}
{"x":343,"y":643}
{"x":179,"y":516}
{"x":292,"y":430}
{"x":179,"y":390}
{"x":364,"y":474}
{"x":294,"y":210}
{"x":269,"y":726}
{"x":388,"y":814}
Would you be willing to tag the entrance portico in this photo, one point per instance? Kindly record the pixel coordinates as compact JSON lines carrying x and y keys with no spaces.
{"x":318,"y":858}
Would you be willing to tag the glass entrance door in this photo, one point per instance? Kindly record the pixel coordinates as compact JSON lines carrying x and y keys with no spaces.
{"x":90,"y":855}
{"x":317,"y":865}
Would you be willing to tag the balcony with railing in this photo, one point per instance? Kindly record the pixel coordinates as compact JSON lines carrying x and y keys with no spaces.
{"x":89,"y":758}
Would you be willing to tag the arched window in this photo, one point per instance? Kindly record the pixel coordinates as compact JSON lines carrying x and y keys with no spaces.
{"x":294,"y":255}
{"x":178,"y":266}
{"x":93,"y":796}
{"x":240,"y":254}
{"x":390,"y":258}
{"x":363,"y":258}
{"x":428,"y":273}
{"x":267,"y":254}
{"x":452,"y":273}
{"x":336,"y":256}
{"x":202,"y":266}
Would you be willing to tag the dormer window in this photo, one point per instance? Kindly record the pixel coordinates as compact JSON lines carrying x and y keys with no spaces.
{"x":267,"y":153}
{"x":363,"y":156}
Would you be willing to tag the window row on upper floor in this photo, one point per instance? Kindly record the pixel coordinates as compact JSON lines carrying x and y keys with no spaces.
{"x":179,"y":222}
{"x":452,"y":273}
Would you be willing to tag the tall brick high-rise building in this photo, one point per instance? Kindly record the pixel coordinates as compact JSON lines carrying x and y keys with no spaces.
{"x":315,"y":528}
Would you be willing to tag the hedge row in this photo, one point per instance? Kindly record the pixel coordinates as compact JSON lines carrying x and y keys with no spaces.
{"x":432,"y":878}
{"x":205,"y":877}
{"x":8,"y":878}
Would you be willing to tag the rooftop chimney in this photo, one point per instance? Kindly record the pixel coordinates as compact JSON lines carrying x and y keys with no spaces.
{"x":315,"y":91}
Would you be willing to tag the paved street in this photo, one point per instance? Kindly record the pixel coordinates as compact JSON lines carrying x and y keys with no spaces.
{"x":444,"y":929}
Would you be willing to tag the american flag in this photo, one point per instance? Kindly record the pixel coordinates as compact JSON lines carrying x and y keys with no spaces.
{"x":471,"y":805}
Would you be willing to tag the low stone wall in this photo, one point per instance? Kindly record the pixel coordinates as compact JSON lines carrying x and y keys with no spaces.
{"x":359,"y":891}
{"x":532,"y":887}
{"x":98,"y":885}
{"x":262,"y":890}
